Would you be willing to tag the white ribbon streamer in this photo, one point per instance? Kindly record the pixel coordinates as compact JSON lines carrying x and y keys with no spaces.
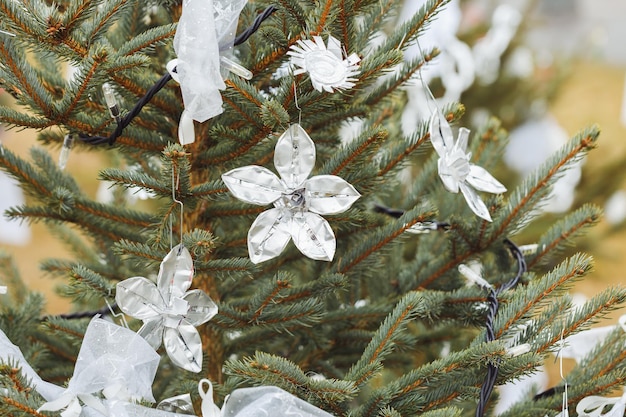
{"x":205,"y":28}
{"x":593,"y":406}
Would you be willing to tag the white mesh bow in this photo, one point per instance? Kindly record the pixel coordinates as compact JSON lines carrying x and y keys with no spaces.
{"x":205,"y":31}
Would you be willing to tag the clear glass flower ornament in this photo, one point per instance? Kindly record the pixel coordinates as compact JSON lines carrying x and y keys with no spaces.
{"x":170,"y":313}
{"x":299,"y":201}
{"x":455,"y":169}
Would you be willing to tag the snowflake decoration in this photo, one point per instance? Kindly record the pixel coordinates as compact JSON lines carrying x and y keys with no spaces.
{"x":326,"y":64}
{"x":298,"y":200}
{"x":169,"y":312}
{"x":455,"y":169}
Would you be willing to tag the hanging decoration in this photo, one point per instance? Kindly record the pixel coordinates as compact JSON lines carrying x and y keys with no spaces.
{"x":170,"y":313}
{"x":326,"y":64}
{"x":114,"y":370}
{"x":594,"y":406}
{"x":455,"y":169}
{"x":298,"y":201}
{"x":205,"y":30}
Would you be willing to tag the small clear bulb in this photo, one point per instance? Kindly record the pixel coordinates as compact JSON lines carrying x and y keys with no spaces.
{"x":109,"y":97}
{"x":65,"y":151}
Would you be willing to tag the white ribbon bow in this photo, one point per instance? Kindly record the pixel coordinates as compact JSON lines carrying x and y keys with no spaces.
{"x":593,"y":406}
{"x":206,"y":30}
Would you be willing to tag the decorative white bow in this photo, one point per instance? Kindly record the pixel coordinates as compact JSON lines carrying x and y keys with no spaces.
{"x":593,"y":406}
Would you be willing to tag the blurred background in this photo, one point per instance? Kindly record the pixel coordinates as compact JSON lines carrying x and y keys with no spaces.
{"x":547,"y":69}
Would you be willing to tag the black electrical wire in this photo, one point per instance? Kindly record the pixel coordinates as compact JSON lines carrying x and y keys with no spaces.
{"x":492,"y":300}
{"x":127,"y":119}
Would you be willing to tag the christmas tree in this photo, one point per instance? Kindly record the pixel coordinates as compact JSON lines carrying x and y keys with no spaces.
{"x":308,"y":247}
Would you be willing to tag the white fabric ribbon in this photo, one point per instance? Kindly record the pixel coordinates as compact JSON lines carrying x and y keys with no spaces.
{"x":205,"y":30}
{"x":593,"y":406}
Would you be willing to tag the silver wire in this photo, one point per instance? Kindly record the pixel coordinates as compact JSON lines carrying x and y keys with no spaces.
{"x":175,"y":184}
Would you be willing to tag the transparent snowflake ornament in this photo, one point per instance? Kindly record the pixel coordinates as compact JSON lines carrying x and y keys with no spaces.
{"x":326,"y":64}
{"x":455,"y":169}
{"x":298,"y":200}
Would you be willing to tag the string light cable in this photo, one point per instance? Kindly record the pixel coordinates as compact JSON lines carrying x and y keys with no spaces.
{"x":492,"y":300}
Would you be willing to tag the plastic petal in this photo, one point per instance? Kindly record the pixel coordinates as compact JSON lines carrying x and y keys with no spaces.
{"x":184,"y":347}
{"x":474,"y":202}
{"x":440,"y":133}
{"x":268,"y":401}
{"x":268,"y":235}
{"x":140,"y":298}
{"x":329,"y":194}
{"x":313,"y":236}
{"x":294,"y":156}
{"x":201,"y":307}
{"x":449,"y":181}
{"x":254,"y":184}
{"x":461,"y":142}
{"x":152,"y":331}
{"x":175,"y":273}
{"x":482,"y":180}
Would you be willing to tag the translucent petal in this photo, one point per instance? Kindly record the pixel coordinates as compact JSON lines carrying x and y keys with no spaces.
{"x":329,"y":194}
{"x":461,"y":142}
{"x":440,"y":133}
{"x":482,"y":180}
{"x":450,"y":182}
{"x":313,"y":236}
{"x":184,"y":347}
{"x":334,"y":46}
{"x":152,"y":331}
{"x":254,"y":184}
{"x":175,"y":273}
{"x":201,"y":307}
{"x":186,"y":132}
{"x":268,"y":235}
{"x":140,"y":298}
{"x":474,"y":202}
{"x":294,"y":156}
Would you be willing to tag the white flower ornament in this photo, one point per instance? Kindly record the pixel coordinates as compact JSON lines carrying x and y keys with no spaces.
{"x":169,"y":312}
{"x":325,"y":64}
{"x":298,"y":201}
{"x":455,"y":169}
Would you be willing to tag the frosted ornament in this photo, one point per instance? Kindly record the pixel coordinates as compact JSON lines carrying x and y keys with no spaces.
{"x":593,"y":406}
{"x":267,"y":401}
{"x":326,"y":64}
{"x":169,"y":312}
{"x":298,"y":200}
{"x":455,"y":169}
{"x":113,"y":361}
{"x":205,"y":30}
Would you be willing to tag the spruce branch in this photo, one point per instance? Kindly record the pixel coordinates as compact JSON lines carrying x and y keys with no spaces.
{"x":381,"y":345}
{"x":563,"y":232}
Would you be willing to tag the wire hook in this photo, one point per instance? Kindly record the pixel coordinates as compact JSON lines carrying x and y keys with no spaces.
{"x":175,"y":184}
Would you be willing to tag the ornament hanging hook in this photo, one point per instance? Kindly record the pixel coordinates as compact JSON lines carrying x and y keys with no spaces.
{"x":564,"y":407}
{"x":4,"y":32}
{"x":431,"y":96}
{"x":295,"y":100}
{"x":175,"y":184}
